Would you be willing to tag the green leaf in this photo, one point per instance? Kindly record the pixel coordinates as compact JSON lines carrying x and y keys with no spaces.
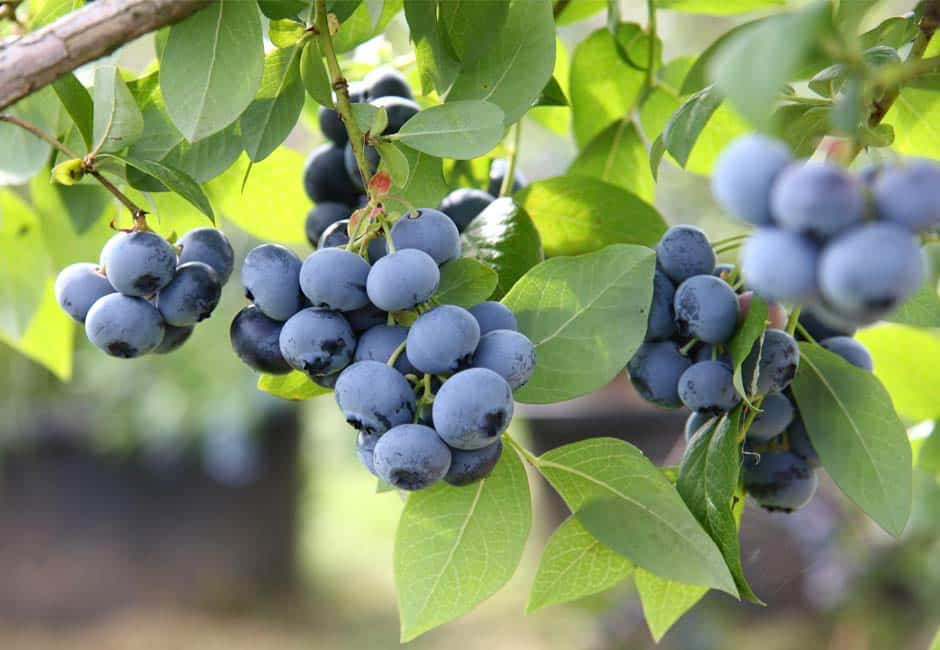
{"x":577,"y":214}
{"x":455,"y":547}
{"x":175,"y":181}
{"x":922,"y":309}
{"x":77,"y":101}
{"x":24,"y":265}
{"x":437,"y":66}
{"x":627,"y":504}
{"x":395,"y":162}
{"x":617,"y":155}
{"x":425,"y":185}
{"x":556,"y":119}
{"x":280,"y":9}
{"x":894,"y":32}
{"x":741,"y":344}
{"x":466,"y":282}
{"x":292,"y":386}
{"x":552,"y":94}
{"x":285,"y":32}
{"x":802,"y":127}
{"x":471,"y":26}
{"x":504,"y":237}
{"x":43,"y":12}
{"x":516,"y":64}
{"x":49,"y":337}
{"x":84,"y":204}
{"x":118,"y":122}
{"x":374,"y":9}
{"x":697,"y":76}
{"x":212,"y":67}
{"x":664,"y":601}
{"x":313,"y":74}
{"x":586,"y":316}
{"x":359,"y":27}
{"x":718,"y":7}
{"x":458,"y":129}
{"x":575,"y":565}
{"x":682,"y":130}
{"x":753,"y":66}
{"x":268,"y":120}
{"x":913,"y":117}
{"x":23,"y":153}
{"x":860,"y":440}
{"x":365,"y":115}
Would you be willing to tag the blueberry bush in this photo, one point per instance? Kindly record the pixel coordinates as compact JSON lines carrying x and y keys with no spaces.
{"x":444,"y":289}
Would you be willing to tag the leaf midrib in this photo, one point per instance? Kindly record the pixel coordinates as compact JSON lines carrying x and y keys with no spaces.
{"x":214,"y":52}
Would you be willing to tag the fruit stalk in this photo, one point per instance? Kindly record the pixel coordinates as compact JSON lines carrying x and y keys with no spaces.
{"x":506,"y":188}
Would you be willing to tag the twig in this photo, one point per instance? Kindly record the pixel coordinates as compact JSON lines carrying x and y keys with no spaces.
{"x":506,"y":188}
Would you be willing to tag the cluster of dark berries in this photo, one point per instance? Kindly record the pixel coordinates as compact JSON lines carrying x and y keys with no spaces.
{"x":147,"y":295}
{"x":428,"y":387}
{"x":841,"y":243}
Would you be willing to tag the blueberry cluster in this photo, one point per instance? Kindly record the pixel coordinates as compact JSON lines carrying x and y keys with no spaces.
{"x":464,"y":204}
{"x":147,"y":295}
{"x":842,"y":243}
{"x":428,"y":387}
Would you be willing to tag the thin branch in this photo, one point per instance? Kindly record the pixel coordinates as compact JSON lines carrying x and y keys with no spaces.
{"x":39,"y":133}
{"x":506,"y":188}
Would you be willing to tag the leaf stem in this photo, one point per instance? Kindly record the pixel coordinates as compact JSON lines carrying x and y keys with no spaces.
{"x":728,"y":240}
{"x":39,"y":133}
{"x":529,"y":457}
{"x":506,"y":188}
{"x":649,"y":81}
{"x":397,"y":353}
{"x":793,"y":320}
{"x":809,"y":101}
{"x":802,"y":330}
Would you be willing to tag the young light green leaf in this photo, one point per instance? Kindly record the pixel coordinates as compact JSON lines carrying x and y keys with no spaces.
{"x":313,"y":73}
{"x":425,"y":185}
{"x":212,"y":66}
{"x":684,"y":127}
{"x":616,"y":155}
{"x":586,"y":316}
{"x":860,"y":440}
{"x":802,"y":126}
{"x":504,"y":237}
{"x":117,"y":121}
{"x":665,"y":601}
{"x":358,"y":27}
{"x":627,"y":504}
{"x":466,"y":282}
{"x":579,"y":214}
{"x":913,"y":119}
{"x":49,"y":336}
{"x":293,"y":386}
{"x":395,"y":162}
{"x":23,"y":153}
{"x":552,"y":95}
{"x":458,"y":129}
{"x":718,"y":7}
{"x":285,"y":32}
{"x":24,"y":265}
{"x":175,"y":181}
{"x":575,"y":565}
{"x":455,"y":547}
{"x":268,"y":120}
{"x":77,"y":101}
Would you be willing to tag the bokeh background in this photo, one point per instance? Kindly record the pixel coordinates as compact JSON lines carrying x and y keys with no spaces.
{"x":166,"y":503}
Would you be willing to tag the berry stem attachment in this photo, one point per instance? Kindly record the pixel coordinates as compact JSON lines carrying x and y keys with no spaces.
{"x":506,"y":188}
{"x":793,"y":320}
{"x":396,"y":353}
{"x":727,"y":240}
{"x":527,"y":455}
{"x":753,"y":412}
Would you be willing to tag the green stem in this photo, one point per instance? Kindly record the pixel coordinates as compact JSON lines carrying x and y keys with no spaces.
{"x":793,"y":320}
{"x":751,"y":416}
{"x":806,"y":334}
{"x":727,"y":248}
{"x":396,"y":353}
{"x":649,"y":81}
{"x":529,"y":457}
{"x":728,"y":240}
{"x":685,"y":349}
{"x":506,"y":188}
{"x":389,"y":243}
{"x":809,"y":101}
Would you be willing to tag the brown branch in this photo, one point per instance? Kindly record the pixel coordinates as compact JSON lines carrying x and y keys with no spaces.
{"x":36,"y":60}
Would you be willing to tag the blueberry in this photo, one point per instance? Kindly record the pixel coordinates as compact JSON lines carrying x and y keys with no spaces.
{"x":472,"y":408}
{"x":386,"y":82}
{"x":463,"y":205}
{"x":378,"y":344}
{"x":867,"y":272}
{"x":820,"y":327}
{"x":325,"y":177}
{"x":442,"y":340}
{"x":365,"y":449}
{"x":779,"y":357}
{"x":78,"y":287}
{"x":470,"y":466}
{"x":334,"y":278}
{"x":780,"y":266}
{"x":411,"y":457}
{"x":779,"y":480}
{"x":509,"y":354}
{"x":317,"y":341}
{"x":331,"y":125}
{"x":498,"y":170}
{"x":800,"y":444}
{"x":139,"y":263}
{"x":695,"y":421}
{"x":124,"y":326}
{"x":744,"y":175}
{"x":909,"y":195}
{"x":322,"y":216}
{"x":398,"y":109}
{"x":256,"y":340}
{"x":850,"y":350}
{"x":710,"y":352}
{"x":191,"y":296}
{"x":776,"y":415}
{"x":661,"y":325}
{"x":366,"y":318}
{"x":707,"y":386}
{"x":271,"y":277}
{"x":655,"y":370}
{"x":403,"y":280}
{"x":817,"y":198}
{"x":684,"y":251}
{"x":430,"y":231}
{"x":351,"y":165}
{"x":706,"y":307}
{"x":492,"y":315}
{"x":335,"y":235}
{"x":374,"y":397}
{"x":173,"y":338}
{"x":209,"y":246}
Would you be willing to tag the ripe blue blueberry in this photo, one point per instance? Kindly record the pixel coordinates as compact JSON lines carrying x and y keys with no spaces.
{"x":331,"y":126}
{"x":378,"y":344}
{"x":317,"y":341}
{"x":820,"y":327}
{"x":472,"y":408}
{"x":798,"y":439}
{"x":209,"y":246}
{"x":173,"y":338}
{"x":325,"y":177}
{"x":498,"y":169}
{"x":850,"y":350}
{"x":509,"y":354}
{"x":191,"y":296}
{"x":779,"y":357}
{"x":780,"y":266}
{"x":443,"y":340}
{"x":365,"y":449}
{"x":779,"y":480}
{"x":124,"y":326}
{"x":271,"y":277}
{"x":710,"y":352}
{"x":707,"y":386}
{"x":695,"y":421}
{"x":655,"y":370}
{"x":366,"y":318}
{"x":428,"y":230}
{"x":492,"y":315}
{"x":411,"y":457}
{"x":661,"y":325}
{"x":398,"y":109}
{"x":706,"y":308}
{"x":402,"y":280}
{"x":374,"y":397}
{"x":684,"y":251}
{"x":139,"y":263}
{"x":744,"y":175}
{"x":470,"y":466}
{"x":351,"y":165}
{"x":334,"y":278}
{"x":776,"y":415}
{"x":817,"y":198}
{"x":463,"y":205}
{"x":336,"y":235}
{"x":909,"y":195}
{"x":322,"y":216}
{"x":256,"y":340}
{"x":78,"y":287}
{"x":386,"y":82}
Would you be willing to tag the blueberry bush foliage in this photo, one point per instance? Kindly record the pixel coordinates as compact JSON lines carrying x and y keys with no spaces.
{"x":583,"y":266}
